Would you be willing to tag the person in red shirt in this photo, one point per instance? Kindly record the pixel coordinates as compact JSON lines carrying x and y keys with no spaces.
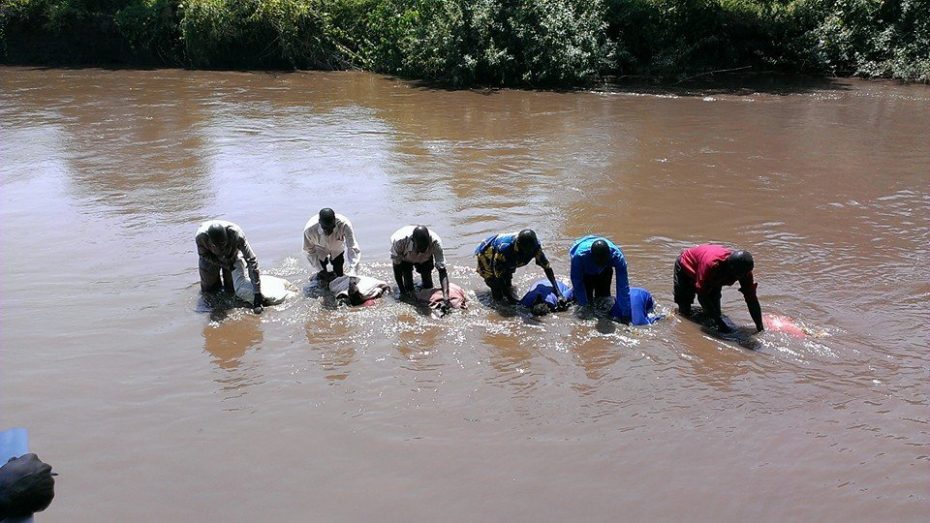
{"x":704,"y":270}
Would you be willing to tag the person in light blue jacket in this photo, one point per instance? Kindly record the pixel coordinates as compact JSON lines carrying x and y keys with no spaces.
{"x":594,"y":260}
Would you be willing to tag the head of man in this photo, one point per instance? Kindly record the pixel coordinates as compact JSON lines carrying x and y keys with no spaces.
{"x":327,"y":221}
{"x":218,"y":235}
{"x":540,"y":308}
{"x":356,"y":298}
{"x":26,"y":486}
{"x":420,"y":238}
{"x":526,"y":241}
{"x":600,"y":253}
{"x":739,"y":263}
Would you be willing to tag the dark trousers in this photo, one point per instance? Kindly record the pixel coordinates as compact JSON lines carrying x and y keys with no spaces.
{"x":685,"y":290}
{"x":210,"y":278}
{"x":598,"y":285}
{"x":424,"y":269}
{"x":338,"y":263}
{"x":500,"y":285}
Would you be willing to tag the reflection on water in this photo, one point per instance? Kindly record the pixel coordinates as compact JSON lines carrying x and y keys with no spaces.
{"x":511,"y":357}
{"x":335,"y":347}
{"x":825,"y":184}
{"x":595,"y":353}
{"x":227,"y":338}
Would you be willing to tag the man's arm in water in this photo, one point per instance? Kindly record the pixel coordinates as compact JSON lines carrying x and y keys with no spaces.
{"x":439,"y":261}
{"x":550,"y":275}
{"x":444,"y":284}
{"x":748,"y":287}
{"x":577,"y":276}
{"x":622,"y":310}
{"x":399,"y":278}
{"x":755,"y":310}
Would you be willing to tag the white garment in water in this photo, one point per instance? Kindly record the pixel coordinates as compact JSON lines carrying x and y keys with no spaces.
{"x":274,"y":289}
{"x":368,"y":287}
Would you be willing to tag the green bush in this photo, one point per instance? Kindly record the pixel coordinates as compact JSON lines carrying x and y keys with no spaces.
{"x":875,"y":38}
{"x":151,"y":30}
{"x":499,"y":42}
{"x":70,"y":30}
{"x":678,"y":37}
{"x":490,"y":42}
{"x":263,"y":33}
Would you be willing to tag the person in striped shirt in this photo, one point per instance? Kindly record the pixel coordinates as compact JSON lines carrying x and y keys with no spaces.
{"x":500,"y":255}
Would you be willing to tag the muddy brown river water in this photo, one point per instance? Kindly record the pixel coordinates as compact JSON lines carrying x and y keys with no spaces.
{"x":152,"y":409}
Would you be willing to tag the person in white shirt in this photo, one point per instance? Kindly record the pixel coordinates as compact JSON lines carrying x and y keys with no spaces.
{"x":330,"y":240}
{"x":416,"y":247}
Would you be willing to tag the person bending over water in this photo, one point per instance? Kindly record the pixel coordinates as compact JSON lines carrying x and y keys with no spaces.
{"x":704,"y":270}
{"x":416,"y":247}
{"x":594,"y":260}
{"x":330,"y":240}
{"x":501,"y":254}
{"x":219,"y":244}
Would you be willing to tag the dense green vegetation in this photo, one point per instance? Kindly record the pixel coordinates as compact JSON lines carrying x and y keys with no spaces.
{"x":489,"y":42}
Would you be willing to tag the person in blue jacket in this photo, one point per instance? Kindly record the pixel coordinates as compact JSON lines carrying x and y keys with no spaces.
{"x":542,"y":299}
{"x":594,"y":260}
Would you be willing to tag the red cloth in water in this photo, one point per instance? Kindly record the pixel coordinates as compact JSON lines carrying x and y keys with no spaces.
{"x":783,"y":324}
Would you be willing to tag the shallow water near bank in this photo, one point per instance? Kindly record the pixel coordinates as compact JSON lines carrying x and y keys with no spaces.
{"x":153,"y":409}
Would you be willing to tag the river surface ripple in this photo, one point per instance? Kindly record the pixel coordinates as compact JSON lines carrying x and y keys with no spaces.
{"x":152,"y":409}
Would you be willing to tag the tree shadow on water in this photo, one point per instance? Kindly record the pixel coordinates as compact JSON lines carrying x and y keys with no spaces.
{"x":709,"y":83}
{"x":743,"y":84}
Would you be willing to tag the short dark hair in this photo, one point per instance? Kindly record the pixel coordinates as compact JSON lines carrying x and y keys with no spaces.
{"x":740,"y":262}
{"x":526,"y":240}
{"x":327,"y":217}
{"x":218,"y":234}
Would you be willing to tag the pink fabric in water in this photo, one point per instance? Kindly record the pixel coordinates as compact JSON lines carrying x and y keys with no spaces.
{"x":457,"y":297}
{"x":783,"y":324}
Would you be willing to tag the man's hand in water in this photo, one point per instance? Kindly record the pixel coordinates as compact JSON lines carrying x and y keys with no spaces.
{"x":760,"y":327}
{"x":257,"y":303}
{"x":445,"y":306}
{"x":722,"y":326}
{"x":561,"y":304}
{"x":353,"y":286}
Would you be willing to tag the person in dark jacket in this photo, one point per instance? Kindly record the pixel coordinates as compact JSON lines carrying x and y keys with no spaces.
{"x":219,"y":244}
